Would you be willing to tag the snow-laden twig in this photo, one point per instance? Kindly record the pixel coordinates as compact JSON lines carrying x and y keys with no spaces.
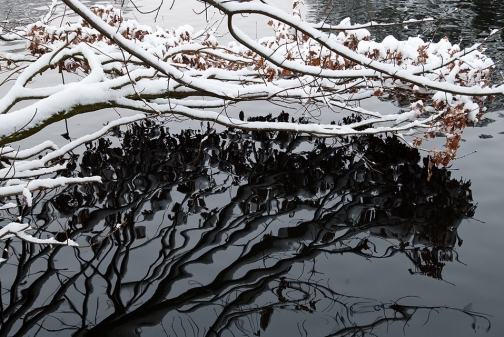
{"x":43,"y":184}
{"x":30,"y":169}
{"x":19,"y":230}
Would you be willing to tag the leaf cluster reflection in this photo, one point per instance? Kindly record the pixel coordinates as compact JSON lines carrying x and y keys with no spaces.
{"x":224,"y":230}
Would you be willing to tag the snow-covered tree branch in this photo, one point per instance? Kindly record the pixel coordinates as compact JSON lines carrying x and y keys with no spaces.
{"x":166,"y":72}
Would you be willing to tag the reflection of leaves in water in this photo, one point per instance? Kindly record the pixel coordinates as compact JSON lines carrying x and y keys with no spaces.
{"x":218,"y":224}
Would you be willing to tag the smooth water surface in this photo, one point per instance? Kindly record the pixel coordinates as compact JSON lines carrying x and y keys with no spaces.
{"x":271,"y":234}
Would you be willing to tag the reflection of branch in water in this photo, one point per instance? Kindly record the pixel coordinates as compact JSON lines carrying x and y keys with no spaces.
{"x":216,"y":230}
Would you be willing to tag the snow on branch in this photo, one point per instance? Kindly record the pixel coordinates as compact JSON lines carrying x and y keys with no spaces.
{"x":124,"y":64}
{"x":22,"y":176}
{"x":19,"y":230}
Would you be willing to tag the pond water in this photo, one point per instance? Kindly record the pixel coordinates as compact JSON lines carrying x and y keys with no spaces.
{"x":271,"y":234}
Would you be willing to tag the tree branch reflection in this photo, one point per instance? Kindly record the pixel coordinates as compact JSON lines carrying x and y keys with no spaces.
{"x":224,"y":231}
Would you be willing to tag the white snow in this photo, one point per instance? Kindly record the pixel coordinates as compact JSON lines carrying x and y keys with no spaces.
{"x":305,"y":64}
{"x":19,"y":230}
{"x":27,"y":197}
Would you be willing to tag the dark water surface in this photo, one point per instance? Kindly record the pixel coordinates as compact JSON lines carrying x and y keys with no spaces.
{"x":272,"y":234}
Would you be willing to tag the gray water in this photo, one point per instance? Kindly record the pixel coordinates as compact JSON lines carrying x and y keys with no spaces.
{"x":470,"y":282}
{"x":479,"y":280}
